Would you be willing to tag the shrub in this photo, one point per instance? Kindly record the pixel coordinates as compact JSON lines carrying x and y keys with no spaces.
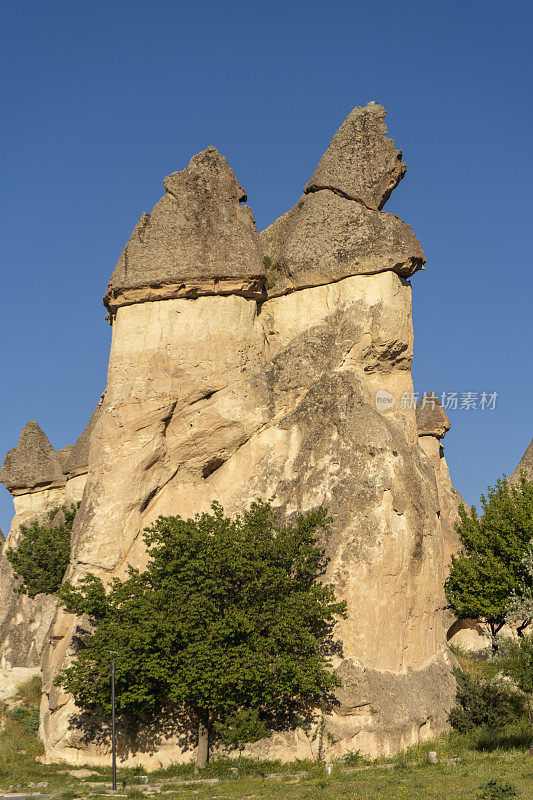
{"x":43,"y":553}
{"x":353,"y":759}
{"x":496,"y":790}
{"x":490,"y":704}
{"x":28,"y":718}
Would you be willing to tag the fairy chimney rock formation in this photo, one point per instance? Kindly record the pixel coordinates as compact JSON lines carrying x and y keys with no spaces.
{"x":246,"y":365}
{"x":431,"y":418}
{"x":198,"y":240}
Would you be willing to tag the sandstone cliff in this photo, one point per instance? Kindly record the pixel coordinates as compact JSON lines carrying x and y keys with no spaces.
{"x":247,"y":365}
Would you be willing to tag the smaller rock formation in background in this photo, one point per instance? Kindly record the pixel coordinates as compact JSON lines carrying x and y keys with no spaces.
{"x":431,"y":418}
{"x":40,"y":479}
{"x":433,"y":424}
{"x":32,"y":463}
{"x":525,"y":465}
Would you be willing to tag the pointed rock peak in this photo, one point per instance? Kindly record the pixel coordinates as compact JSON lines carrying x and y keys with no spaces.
{"x":197,"y":240}
{"x":361,"y":162}
{"x":431,"y":418}
{"x":526,"y":465}
{"x":32,"y":462}
{"x":207,"y":172}
{"x":77,"y":460}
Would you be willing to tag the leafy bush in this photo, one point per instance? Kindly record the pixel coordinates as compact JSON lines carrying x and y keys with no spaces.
{"x":43,"y":553}
{"x":490,"y":704}
{"x":353,"y":759}
{"x":496,"y":790}
{"x":28,"y":717}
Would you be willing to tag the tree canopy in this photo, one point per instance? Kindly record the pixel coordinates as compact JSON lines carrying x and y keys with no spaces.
{"x":228,"y":625}
{"x":490,"y":568}
{"x":520,"y":606}
{"x":42,"y":554}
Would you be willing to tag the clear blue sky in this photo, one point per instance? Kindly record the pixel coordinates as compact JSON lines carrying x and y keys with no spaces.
{"x":100,"y":100}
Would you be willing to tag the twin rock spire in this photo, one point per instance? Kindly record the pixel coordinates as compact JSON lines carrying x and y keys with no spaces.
{"x":199,"y":239}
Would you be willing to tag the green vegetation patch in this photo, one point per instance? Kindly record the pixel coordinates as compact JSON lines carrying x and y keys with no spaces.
{"x":42,"y":554}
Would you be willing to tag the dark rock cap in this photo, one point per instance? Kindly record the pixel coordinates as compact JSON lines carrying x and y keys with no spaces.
{"x":325,"y":238}
{"x":431,"y":418}
{"x":33,"y":462}
{"x":525,"y":465}
{"x":361,"y":163}
{"x":336,"y":229}
{"x":198,"y":239}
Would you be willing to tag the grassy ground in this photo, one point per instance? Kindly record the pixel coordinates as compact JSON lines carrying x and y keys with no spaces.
{"x":464,"y":764}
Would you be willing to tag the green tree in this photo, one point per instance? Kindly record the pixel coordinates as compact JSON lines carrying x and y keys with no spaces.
{"x":490,"y":566}
{"x":520,"y":607}
{"x":518,"y":665}
{"x":42,"y":554}
{"x":229,"y":617}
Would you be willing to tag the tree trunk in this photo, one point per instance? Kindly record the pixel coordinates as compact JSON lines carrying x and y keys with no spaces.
{"x":202,"y":753}
{"x":530,"y":714}
{"x":494,"y":630}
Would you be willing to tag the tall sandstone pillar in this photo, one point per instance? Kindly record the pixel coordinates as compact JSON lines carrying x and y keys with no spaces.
{"x":246,"y":365}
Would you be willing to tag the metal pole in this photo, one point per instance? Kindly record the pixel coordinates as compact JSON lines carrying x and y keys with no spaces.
{"x":113,"y":740}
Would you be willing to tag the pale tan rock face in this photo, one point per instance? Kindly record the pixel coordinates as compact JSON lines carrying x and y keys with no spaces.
{"x":207,"y":400}
{"x":12,"y":679}
{"x":449,"y":498}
